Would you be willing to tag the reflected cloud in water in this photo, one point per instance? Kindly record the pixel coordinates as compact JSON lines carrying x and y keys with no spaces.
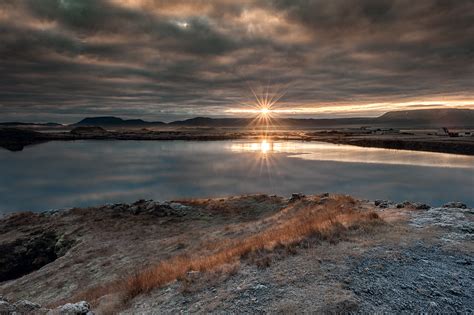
{"x":318,"y":151}
{"x":82,"y":173}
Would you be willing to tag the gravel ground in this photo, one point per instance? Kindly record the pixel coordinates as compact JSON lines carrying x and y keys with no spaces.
{"x":417,"y":279}
{"x":420,"y":264}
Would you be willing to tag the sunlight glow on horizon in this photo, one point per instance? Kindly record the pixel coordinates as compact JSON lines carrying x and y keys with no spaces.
{"x":356,"y":108}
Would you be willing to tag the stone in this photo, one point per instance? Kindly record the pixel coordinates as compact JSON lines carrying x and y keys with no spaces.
{"x":135,"y":209}
{"x":5,"y":307}
{"x":260,"y":287}
{"x":296,"y":196}
{"x":404,"y":204}
{"x":26,"y":307}
{"x":150,"y":206}
{"x":79,"y":308}
{"x":455,"y":204}
{"x":421,"y":206}
{"x":382,"y":203}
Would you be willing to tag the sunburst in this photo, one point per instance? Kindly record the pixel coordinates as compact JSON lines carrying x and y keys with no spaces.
{"x":263,"y":107}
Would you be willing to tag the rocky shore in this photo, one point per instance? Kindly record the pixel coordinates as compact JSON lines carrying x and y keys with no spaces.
{"x":14,"y":139}
{"x":408,"y":257}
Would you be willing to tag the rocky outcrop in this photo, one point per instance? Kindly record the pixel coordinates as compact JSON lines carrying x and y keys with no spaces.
{"x":79,"y":308}
{"x":88,"y":130}
{"x":413,"y":205}
{"x":296,"y":196}
{"x":14,"y":139}
{"x":25,"y":255}
{"x":457,"y":223}
{"x":159,"y":209}
{"x":27,"y":307}
{"x":383,"y":203}
{"x":455,"y":204}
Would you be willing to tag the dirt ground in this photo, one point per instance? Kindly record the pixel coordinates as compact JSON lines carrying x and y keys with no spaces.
{"x":414,"y":261}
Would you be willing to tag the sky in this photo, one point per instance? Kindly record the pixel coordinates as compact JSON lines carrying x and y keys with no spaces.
{"x":62,"y":60}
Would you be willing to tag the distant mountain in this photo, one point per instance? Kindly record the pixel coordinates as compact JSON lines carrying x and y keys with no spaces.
{"x":110,"y":121}
{"x":423,"y":118}
{"x":433,"y":118}
{"x":430,"y":117}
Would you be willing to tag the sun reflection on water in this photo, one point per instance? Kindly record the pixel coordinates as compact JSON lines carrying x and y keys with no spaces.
{"x":266,"y":151}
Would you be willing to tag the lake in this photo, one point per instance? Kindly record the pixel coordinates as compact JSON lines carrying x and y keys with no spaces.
{"x":58,"y":175}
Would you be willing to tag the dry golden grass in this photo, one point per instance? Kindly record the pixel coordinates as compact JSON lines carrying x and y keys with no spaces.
{"x":301,"y":221}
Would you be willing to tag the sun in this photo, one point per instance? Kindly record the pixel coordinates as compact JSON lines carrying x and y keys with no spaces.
{"x":265,"y":111}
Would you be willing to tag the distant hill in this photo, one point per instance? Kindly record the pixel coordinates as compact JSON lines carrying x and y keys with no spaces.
{"x":430,"y":117}
{"x":433,"y":118}
{"x":110,"y":121}
{"x":16,"y":123}
{"x":423,"y":118}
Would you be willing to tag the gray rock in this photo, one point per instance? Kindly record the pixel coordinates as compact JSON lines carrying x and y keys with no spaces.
{"x":6,"y":308}
{"x":20,"y":307}
{"x":455,"y":204}
{"x":383,"y":203}
{"x":135,"y":209}
{"x":26,"y":307}
{"x":79,"y":308}
{"x":150,"y":205}
{"x":404,"y":204}
{"x":260,"y":287}
{"x":296,"y":196}
{"x":421,"y":206}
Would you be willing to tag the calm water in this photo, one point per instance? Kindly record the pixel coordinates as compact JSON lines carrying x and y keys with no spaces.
{"x":67,"y":174}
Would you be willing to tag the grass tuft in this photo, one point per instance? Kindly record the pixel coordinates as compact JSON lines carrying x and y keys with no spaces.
{"x":302,"y":221}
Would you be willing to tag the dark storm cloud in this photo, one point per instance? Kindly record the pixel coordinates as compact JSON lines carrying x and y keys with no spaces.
{"x":64,"y":59}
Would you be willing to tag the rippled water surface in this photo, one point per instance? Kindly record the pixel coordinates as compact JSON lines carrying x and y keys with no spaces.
{"x":67,"y":174}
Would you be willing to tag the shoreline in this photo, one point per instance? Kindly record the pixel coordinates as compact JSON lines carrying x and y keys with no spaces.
{"x":16,"y":139}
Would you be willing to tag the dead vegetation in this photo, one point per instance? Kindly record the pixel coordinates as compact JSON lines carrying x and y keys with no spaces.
{"x":311,"y":219}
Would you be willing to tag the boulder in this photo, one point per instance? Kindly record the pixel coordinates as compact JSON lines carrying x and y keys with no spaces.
{"x":383,"y":203}
{"x":421,"y":206}
{"x":26,"y":307}
{"x":79,"y":308}
{"x":413,"y":205}
{"x":455,"y":204}
{"x":28,"y":254}
{"x":404,"y":204}
{"x":296,"y":196}
{"x":5,"y":307}
{"x":20,"y":307}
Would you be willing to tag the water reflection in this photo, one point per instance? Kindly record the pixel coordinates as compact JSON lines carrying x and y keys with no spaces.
{"x":269,"y":146}
{"x":318,"y":151}
{"x":82,"y":173}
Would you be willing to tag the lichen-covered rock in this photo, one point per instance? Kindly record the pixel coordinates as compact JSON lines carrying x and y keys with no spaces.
{"x":421,"y":206}
{"x":20,"y":307}
{"x":79,"y":308}
{"x":413,"y":205}
{"x":383,"y":203}
{"x":26,"y":307}
{"x":296,"y":196}
{"x":455,"y":204}
{"x":5,"y":307}
{"x":404,"y":204}
{"x":25,"y":255}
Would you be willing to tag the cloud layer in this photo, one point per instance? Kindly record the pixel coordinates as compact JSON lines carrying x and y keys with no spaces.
{"x":166,"y":59}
